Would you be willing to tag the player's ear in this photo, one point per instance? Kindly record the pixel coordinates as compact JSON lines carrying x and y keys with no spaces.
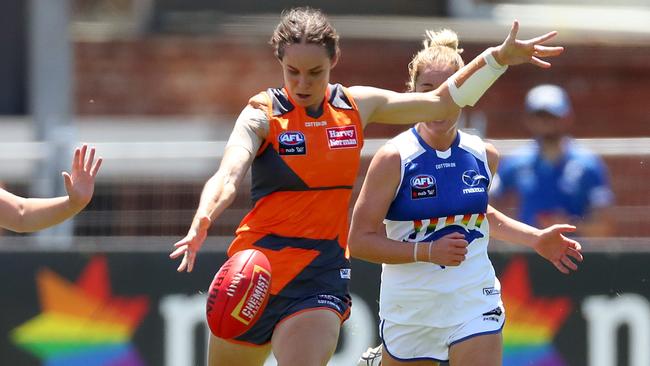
{"x":335,"y":59}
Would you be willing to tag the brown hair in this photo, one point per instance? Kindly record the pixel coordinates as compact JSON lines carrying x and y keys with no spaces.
{"x":439,"y":47}
{"x":305,"y":25}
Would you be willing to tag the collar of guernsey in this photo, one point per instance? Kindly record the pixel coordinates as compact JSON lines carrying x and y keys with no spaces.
{"x":303,"y":174}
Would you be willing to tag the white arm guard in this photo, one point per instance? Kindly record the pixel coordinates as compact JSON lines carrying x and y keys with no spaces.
{"x":469,"y":83}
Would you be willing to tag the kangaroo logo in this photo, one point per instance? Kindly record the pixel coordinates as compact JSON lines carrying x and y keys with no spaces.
{"x":470,"y":235}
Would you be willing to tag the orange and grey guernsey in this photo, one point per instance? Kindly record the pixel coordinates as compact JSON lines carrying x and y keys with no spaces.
{"x":302,"y":178}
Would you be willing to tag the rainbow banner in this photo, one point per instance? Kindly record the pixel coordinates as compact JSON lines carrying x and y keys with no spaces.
{"x":82,"y":324}
{"x":531,"y":322}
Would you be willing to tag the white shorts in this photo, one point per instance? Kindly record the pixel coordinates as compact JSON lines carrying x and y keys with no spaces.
{"x":415,"y":342}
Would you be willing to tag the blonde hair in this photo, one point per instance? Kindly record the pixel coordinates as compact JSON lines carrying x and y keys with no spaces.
{"x":440,"y":48}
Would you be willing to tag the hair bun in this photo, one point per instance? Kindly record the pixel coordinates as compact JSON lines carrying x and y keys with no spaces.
{"x":441,"y":38}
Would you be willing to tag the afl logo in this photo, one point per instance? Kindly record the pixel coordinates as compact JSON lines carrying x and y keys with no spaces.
{"x":423,"y":181}
{"x":472,"y":178}
{"x":291,"y":143}
{"x":291,"y":138}
{"x":423,"y":186}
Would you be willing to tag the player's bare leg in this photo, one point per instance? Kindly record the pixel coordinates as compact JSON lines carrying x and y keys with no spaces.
{"x":224,"y":353}
{"x":306,"y":339}
{"x":484,"y":350}
{"x":388,"y":360}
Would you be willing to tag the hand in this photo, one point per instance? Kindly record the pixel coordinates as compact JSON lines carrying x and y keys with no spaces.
{"x":558,"y":249}
{"x":190,"y":244}
{"x":449,"y":250}
{"x":80,"y":184}
{"x":514,"y":52}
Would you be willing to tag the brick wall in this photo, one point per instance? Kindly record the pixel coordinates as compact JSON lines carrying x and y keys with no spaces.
{"x":182,"y":75}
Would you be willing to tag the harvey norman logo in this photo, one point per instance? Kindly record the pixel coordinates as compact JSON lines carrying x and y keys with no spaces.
{"x":342,"y":137}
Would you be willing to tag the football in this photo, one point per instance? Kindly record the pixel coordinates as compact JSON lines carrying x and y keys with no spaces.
{"x":238,"y":293}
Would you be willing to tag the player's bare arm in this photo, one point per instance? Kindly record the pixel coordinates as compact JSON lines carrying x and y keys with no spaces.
{"x":550,"y":242}
{"x":221,"y":189}
{"x":463,"y":88}
{"x":32,"y":214}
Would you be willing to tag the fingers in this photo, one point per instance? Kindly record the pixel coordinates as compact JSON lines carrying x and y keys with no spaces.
{"x":89,"y":162}
{"x":458,"y":255}
{"x":82,"y":156}
{"x":560,"y":267}
{"x":188,"y":262}
{"x":67,"y":180}
{"x":543,"y":38}
{"x":181,"y":248}
{"x":540,"y":63}
{"x":460,"y":243}
{"x":75,"y":159}
{"x":513,"y":31}
{"x":95,"y":168}
{"x":191,"y":256}
{"x":575,"y":254}
{"x":568,"y":263}
{"x":546,"y":51}
{"x":183,"y":264}
{"x":565,"y":228}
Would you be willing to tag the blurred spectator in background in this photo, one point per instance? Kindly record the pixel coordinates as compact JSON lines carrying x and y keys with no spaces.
{"x":556,"y":180}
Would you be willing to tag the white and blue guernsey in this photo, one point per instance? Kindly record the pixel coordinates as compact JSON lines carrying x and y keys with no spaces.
{"x":440,"y":192}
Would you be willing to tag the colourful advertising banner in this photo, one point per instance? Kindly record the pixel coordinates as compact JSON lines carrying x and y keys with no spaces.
{"x":134,"y":309}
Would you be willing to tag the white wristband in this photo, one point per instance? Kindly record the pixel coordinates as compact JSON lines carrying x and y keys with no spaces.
{"x":469,"y":83}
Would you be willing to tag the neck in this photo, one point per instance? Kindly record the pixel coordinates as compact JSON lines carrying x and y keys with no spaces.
{"x":551,"y":149}
{"x":440,"y":141}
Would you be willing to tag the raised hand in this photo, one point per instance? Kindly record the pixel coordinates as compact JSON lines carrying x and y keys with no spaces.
{"x":558,"y":249}
{"x":190,"y":245}
{"x":514,"y":51}
{"x":450,"y":250}
{"x":80,"y":183}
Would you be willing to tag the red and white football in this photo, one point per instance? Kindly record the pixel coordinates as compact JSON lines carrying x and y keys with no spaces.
{"x":238,"y":293}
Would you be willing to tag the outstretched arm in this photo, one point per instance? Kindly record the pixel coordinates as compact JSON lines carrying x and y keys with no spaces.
{"x":221,"y":189}
{"x":32,"y":214}
{"x":550,"y":242}
{"x":463,"y":88}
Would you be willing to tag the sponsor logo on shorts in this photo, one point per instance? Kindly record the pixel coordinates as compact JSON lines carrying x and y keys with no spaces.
{"x":423,"y":186}
{"x":489,"y":291}
{"x":331,"y":301}
{"x":493,"y":315}
{"x":345,"y":273}
{"x":292,"y":143}
{"x":342,"y":137}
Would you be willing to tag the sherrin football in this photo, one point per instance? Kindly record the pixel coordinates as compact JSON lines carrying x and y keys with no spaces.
{"x":238,"y":293}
